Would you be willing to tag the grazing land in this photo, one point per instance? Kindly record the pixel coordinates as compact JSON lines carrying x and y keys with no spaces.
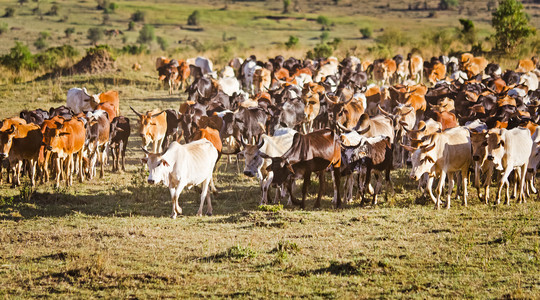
{"x":112,"y":237}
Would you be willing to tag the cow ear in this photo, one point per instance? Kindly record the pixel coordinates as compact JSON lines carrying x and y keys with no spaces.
{"x":484,"y":144}
{"x":264,"y":155}
{"x":289,"y":166}
{"x":165,"y":163}
{"x":501,"y":144}
{"x":63,"y":133}
{"x":144,"y":160}
{"x":119,"y":129}
{"x":430,"y":159}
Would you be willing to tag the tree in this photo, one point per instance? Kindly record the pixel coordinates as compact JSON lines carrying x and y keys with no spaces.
{"x":138,"y":16}
{"x":324,"y":21}
{"x":292,"y":42}
{"x":511,"y":25}
{"x":69,"y":31}
{"x":468,"y":33}
{"x":194,"y":18}
{"x":146,"y":34}
{"x":366,"y":32}
{"x":10,"y":11}
{"x":95,"y":34}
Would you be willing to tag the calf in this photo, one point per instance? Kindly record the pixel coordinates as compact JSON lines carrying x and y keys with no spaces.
{"x":119,"y":135}
{"x":184,"y":166}
{"x":97,"y":141}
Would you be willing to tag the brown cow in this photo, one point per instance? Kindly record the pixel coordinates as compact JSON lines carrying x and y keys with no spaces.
{"x":66,"y":140}
{"x":21,"y":142}
{"x":527,"y":65}
{"x":153,"y":128}
{"x":109,"y":108}
{"x":312,"y":152}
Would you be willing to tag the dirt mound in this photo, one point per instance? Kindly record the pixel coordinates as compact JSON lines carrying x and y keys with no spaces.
{"x":96,"y":61}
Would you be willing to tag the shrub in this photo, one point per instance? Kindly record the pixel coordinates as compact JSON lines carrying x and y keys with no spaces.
{"x":163,"y":44}
{"x":138,"y":16}
{"x":95,"y":34}
{"x":320,"y":51}
{"x":69,"y":31}
{"x":511,"y":25}
{"x":18,"y":58}
{"x":366,"y":32}
{"x":3,"y":28}
{"x":447,"y":4}
{"x":53,"y":11}
{"x":286,"y":4}
{"x":392,"y":37}
{"x":194,"y":18}
{"x":10,"y":12}
{"x":324,"y":36}
{"x":292,"y":42}
{"x":102,"y":4}
{"x":112,"y":7}
{"x":134,"y":49}
{"x":324,"y":21}
{"x":131,"y":26}
{"x":335,"y":43}
{"x":146,"y":34}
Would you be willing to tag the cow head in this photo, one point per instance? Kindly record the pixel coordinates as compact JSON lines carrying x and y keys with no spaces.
{"x":479,"y":145}
{"x":281,"y":167}
{"x":422,"y":160}
{"x":254,"y":160}
{"x":159,"y":168}
{"x":149,"y":126}
{"x":52,"y":137}
{"x":495,"y":147}
{"x":6,"y":140}
{"x":92,"y":99}
{"x":312,"y":105}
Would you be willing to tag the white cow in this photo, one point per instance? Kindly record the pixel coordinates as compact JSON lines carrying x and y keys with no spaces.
{"x":78,"y":100}
{"x":447,"y":153}
{"x":509,"y":150}
{"x":229,"y":85}
{"x":330,"y":68}
{"x":184,"y":166}
{"x":249,"y":70}
{"x":272,"y":146}
{"x":204,"y":63}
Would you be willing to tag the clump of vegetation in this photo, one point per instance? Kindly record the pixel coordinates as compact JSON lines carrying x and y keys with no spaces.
{"x":138,"y":16}
{"x":447,"y":4}
{"x":335,"y":43}
{"x":325,"y":22}
{"x":292,"y":42}
{"x":467,"y":32}
{"x":270,"y":208}
{"x":366,"y":32}
{"x":163,"y":44}
{"x":324,"y":36}
{"x":95,"y":34}
{"x":41,"y":42}
{"x":320,"y":51}
{"x":20,"y":58}
{"x":3,"y":28}
{"x":69,"y":31}
{"x":111,"y":8}
{"x":511,"y":24}
{"x":131,"y":26}
{"x":9,"y":12}
{"x":194,"y":19}
{"x":286,"y":5}
{"x":287,"y":246}
{"x":134,"y":49}
{"x":393,"y":37}
{"x":146,"y":34}
{"x":53,"y":11}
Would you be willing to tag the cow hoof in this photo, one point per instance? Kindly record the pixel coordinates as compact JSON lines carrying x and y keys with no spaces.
{"x":209,"y":214}
{"x":173,"y":216}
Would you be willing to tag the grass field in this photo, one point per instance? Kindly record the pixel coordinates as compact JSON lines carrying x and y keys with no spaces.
{"x":112,"y":237}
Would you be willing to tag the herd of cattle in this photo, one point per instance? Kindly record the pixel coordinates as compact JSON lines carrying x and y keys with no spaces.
{"x":449,"y":117}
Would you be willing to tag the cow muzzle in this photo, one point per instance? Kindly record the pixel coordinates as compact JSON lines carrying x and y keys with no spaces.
{"x":249,"y":174}
{"x":49,"y":148}
{"x":150,"y":181}
{"x":413,"y":177}
{"x":3,"y":155}
{"x":490,"y":157}
{"x":476,"y":157}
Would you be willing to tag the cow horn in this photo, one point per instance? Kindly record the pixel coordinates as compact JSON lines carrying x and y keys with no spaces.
{"x":155,"y":115}
{"x":262,"y":127}
{"x":408,"y":148}
{"x":347,"y":102}
{"x":343,"y":127}
{"x":11,"y":129}
{"x":199,"y":92}
{"x":384,"y":112}
{"x":86,"y":92}
{"x":136,"y":112}
{"x":328,"y":99}
{"x":428,"y":147}
{"x":145,"y":151}
{"x":363,"y":131}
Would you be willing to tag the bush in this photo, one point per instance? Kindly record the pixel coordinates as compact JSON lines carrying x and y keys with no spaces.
{"x":146,"y":34}
{"x":320,"y":51}
{"x":112,"y":7}
{"x":163,"y":44}
{"x":18,"y":58}
{"x":95,"y":34}
{"x":366,"y":32}
{"x":447,"y":4}
{"x":131,"y":26}
{"x":511,"y":25}
{"x":69,"y":31}
{"x":324,"y":36}
{"x":292,"y":42}
{"x":138,"y":16}
{"x":3,"y":28}
{"x":134,"y":49}
{"x":194,"y":18}
{"x":53,"y":11}
{"x":392,"y":37}
{"x":324,"y":21}
{"x":286,"y":4}
{"x":10,"y":12}
{"x":335,"y":43}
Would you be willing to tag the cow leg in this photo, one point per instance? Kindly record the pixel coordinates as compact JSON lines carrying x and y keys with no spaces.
{"x":440,"y":188}
{"x":366,"y":184}
{"x":123,"y":146}
{"x":115,"y":153}
{"x":450,"y":189}
{"x":305,"y":187}
{"x":429,"y":186}
{"x":464,"y":179}
{"x":103,"y":155}
{"x":175,"y":194}
{"x":204,"y":193}
{"x":293,"y":200}
{"x":522,"y":177}
{"x":58,"y":172}
{"x":477,"y":178}
{"x":336,"y":179}
{"x":348,"y":188}
{"x":502,"y":183}
{"x":33,"y":165}
{"x":69,"y":170}
{"x":265,"y":185}
{"x":378,"y":184}
{"x":487,"y":183}
{"x":321,"y":188}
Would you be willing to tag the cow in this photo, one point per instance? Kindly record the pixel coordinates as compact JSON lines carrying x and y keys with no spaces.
{"x":261,"y":80}
{"x":312,"y":152}
{"x":97,"y":141}
{"x":383,"y":70}
{"x":330,"y":68}
{"x":447,"y":152}
{"x":78,"y":100}
{"x":109,"y":108}
{"x":62,"y":111}
{"x":435,"y":71}
{"x":374,"y":154}
{"x":183,"y":166}
{"x":527,"y":65}
{"x":153,"y":128}
{"x":66,"y":140}
{"x":256,"y":165}
{"x":416,"y":64}
{"x":119,"y":135}
{"x":108,"y":97}
{"x":21,"y":142}
{"x":509,"y":150}
{"x":161,"y":61}
{"x":36,"y":116}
